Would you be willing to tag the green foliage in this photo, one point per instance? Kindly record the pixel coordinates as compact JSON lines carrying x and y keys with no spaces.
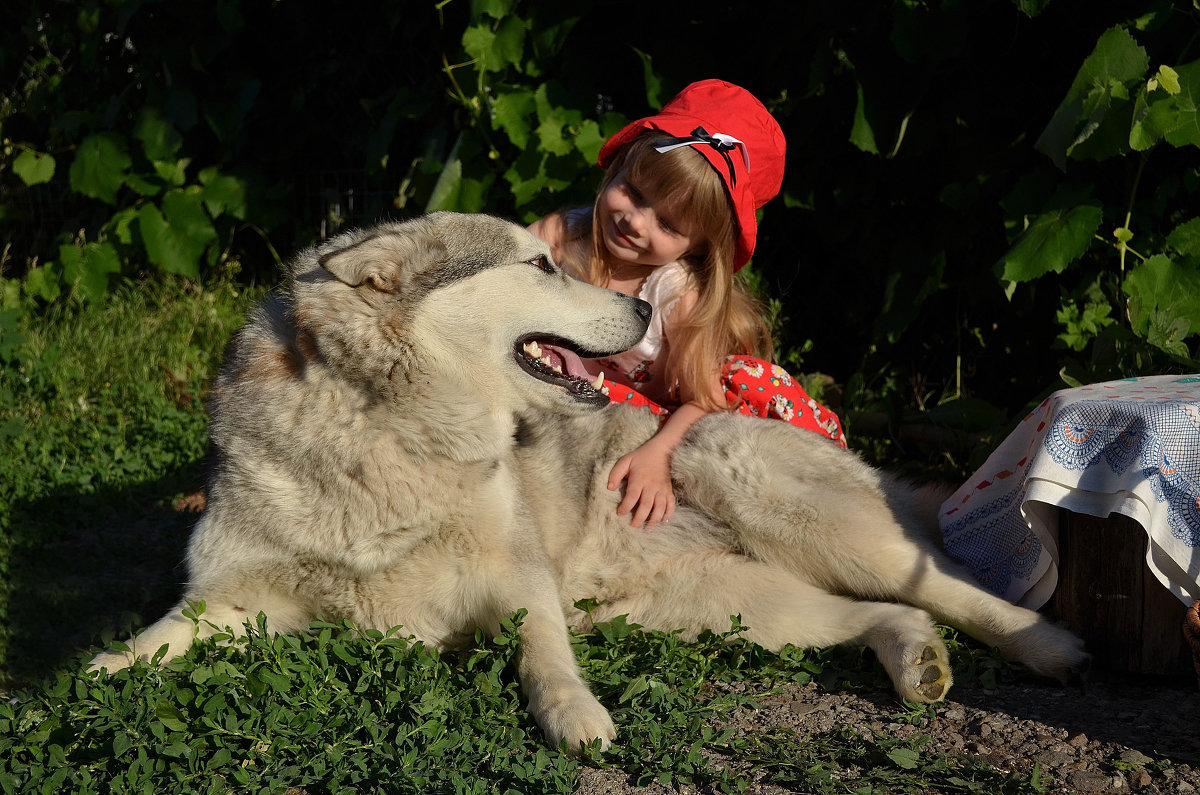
{"x":343,"y":709}
{"x":1119,"y":107}
{"x":924,"y":145}
{"x":101,"y":420}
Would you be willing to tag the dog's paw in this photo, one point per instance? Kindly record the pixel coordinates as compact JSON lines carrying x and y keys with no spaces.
{"x":112,"y":661}
{"x":917,"y":660}
{"x":577,"y":720}
{"x":929,"y":677}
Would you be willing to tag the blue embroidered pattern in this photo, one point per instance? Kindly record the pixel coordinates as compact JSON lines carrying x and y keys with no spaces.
{"x":994,"y":542}
{"x":1160,"y":439}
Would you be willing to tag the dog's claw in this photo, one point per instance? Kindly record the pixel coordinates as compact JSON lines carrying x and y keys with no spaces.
{"x":932,"y":691}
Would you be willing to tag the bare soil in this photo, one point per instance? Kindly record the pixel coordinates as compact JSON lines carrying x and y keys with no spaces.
{"x":1117,"y":734}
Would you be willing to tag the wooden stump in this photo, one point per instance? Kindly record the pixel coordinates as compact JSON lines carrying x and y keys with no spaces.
{"x":1108,"y":596}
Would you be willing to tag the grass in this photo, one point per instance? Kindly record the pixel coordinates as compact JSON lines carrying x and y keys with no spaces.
{"x":102,"y":419}
{"x":102,"y":409}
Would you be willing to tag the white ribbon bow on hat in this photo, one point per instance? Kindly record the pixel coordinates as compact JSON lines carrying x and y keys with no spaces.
{"x":718,"y":141}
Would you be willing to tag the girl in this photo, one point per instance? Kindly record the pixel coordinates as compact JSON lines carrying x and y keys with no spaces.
{"x":673,"y":221}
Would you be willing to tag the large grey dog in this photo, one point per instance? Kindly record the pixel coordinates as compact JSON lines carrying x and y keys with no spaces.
{"x":401,"y":436}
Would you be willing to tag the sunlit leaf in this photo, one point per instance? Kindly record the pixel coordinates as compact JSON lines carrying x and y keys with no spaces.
{"x":1164,"y":287}
{"x":499,"y":48}
{"x":223,"y":194}
{"x":100,"y":165}
{"x":512,"y":110}
{"x":589,"y":140}
{"x":1052,"y":242}
{"x":176,"y":237}
{"x":1098,"y":100}
{"x":1161,"y":115}
{"x":33,"y":168}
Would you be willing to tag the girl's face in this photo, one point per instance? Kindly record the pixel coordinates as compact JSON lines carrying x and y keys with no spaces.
{"x":638,"y":228}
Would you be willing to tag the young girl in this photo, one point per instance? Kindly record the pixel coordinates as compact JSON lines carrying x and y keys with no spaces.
{"x":673,"y":221}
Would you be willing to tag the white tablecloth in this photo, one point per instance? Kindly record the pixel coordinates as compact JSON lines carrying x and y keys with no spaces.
{"x":1129,"y":447}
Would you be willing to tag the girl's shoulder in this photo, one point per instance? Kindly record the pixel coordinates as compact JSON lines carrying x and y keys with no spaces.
{"x":669,"y":281}
{"x":565,"y":231}
{"x":670,"y":288}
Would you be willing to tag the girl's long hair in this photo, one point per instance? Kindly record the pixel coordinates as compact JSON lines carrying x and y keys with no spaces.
{"x":726,"y":319}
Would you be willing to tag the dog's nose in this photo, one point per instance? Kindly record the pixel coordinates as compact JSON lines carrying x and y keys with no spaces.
{"x":644,"y":309}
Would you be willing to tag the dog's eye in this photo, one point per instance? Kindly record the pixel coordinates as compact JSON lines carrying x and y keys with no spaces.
{"x":541,"y":263}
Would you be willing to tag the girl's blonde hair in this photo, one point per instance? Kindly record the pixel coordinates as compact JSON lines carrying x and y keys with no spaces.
{"x":726,"y":319}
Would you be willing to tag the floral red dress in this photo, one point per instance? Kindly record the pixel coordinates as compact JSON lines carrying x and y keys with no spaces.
{"x":757,"y":387}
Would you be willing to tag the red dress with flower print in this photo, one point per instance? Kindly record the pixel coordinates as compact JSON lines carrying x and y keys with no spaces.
{"x":755,"y":387}
{"x":761,"y":389}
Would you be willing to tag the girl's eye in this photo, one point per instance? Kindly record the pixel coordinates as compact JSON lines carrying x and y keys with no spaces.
{"x":541,"y":263}
{"x":668,"y":228}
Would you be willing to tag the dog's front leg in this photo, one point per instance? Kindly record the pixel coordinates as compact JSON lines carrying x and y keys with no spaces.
{"x":558,"y":697}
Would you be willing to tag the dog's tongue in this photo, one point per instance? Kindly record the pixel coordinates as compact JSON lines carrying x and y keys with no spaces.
{"x":570,"y":363}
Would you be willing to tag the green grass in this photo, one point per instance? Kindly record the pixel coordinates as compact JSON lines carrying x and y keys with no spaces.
{"x":340,"y":710}
{"x":102,"y":410}
{"x":102,"y":423}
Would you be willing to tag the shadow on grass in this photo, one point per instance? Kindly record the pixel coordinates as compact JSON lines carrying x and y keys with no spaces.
{"x":85,"y":567}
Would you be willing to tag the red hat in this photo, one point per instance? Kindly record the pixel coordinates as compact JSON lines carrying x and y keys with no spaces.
{"x":741,"y":140}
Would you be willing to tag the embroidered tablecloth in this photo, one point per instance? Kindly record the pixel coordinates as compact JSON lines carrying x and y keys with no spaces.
{"x":1129,"y":447}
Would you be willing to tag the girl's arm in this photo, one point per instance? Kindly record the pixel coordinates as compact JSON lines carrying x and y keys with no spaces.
{"x":647,"y":470}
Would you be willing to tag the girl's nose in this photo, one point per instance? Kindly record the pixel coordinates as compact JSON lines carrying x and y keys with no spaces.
{"x":640,"y":220}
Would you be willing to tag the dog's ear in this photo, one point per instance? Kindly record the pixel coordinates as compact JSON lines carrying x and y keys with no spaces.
{"x":377,"y":261}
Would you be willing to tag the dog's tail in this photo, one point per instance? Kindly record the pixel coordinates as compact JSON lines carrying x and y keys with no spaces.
{"x":921,"y":504}
{"x":928,"y":501}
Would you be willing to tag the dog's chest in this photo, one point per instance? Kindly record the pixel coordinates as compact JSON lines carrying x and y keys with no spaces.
{"x":398,"y":509}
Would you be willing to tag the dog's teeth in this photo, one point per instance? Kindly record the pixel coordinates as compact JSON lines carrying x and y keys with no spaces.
{"x":532,"y":349}
{"x":545,"y":360}
{"x":556,"y":368}
{"x":599,"y":382}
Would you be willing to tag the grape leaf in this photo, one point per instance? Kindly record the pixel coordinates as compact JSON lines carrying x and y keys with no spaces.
{"x":176,"y":237}
{"x":1162,"y":115}
{"x":1185,"y":238}
{"x":33,"y":168}
{"x":1163,"y":290}
{"x":1098,"y":101}
{"x":100,"y":165}
{"x":87,"y":268}
{"x":1052,"y":242}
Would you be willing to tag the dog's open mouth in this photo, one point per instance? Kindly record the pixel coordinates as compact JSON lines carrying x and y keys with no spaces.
{"x":552,"y":361}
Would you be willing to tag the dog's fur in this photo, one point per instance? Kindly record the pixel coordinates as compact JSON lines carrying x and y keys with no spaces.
{"x":382,"y":452}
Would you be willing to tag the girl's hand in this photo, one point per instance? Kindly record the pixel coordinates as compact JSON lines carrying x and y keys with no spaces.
{"x":647,"y":471}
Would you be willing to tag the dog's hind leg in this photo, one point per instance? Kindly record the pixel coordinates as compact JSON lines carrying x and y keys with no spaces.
{"x":795,"y":501}
{"x":703,"y":590}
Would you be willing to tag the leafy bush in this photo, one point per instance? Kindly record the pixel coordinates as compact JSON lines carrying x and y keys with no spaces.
{"x":343,"y":710}
{"x":951,"y":164}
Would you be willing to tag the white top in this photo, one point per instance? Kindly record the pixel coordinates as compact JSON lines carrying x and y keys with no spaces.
{"x":642,"y":366}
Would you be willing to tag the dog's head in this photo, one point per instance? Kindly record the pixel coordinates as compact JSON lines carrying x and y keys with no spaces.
{"x":469,"y":303}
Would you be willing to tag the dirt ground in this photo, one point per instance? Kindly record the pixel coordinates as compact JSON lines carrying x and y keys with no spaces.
{"x":1117,"y":734}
